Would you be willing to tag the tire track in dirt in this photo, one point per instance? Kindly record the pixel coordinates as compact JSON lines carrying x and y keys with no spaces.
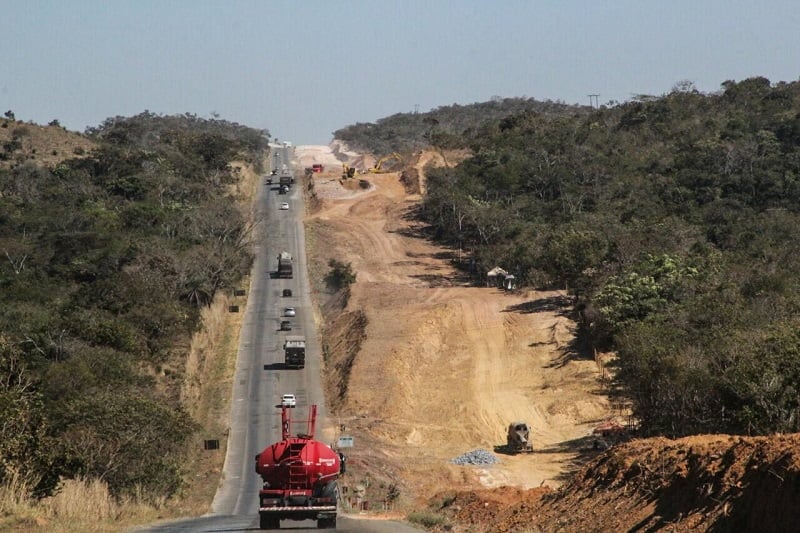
{"x":445,"y":367}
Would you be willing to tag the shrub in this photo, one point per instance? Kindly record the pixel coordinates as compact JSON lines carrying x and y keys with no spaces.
{"x":340,"y":276}
{"x":426,"y":519}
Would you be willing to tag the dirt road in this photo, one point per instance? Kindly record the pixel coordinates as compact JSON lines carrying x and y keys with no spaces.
{"x":443,"y":366}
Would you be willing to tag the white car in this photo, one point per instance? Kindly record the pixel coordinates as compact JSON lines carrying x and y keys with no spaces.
{"x":288,"y":400}
{"x":289,"y":311}
{"x":285,"y":206}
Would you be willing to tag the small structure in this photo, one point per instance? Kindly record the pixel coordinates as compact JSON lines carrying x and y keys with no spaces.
{"x":495,"y":277}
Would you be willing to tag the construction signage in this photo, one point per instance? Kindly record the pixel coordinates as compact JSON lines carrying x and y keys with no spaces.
{"x":344,"y":442}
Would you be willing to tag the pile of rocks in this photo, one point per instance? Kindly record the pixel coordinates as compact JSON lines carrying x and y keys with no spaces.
{"x":476,"y":457}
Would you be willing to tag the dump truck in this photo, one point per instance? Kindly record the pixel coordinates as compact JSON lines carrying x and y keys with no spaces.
{"x":518,"y":438}
{"x":294,"y":352}
{"x":285,"y":176}
{"x":299,"y":477}
{"x":284,"y":265}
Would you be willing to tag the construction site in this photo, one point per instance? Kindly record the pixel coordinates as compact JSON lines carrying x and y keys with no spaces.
{"x":473,"y":403}
{"x":422,"y":366}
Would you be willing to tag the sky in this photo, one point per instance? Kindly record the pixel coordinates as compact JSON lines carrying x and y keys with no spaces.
{"x":303,"y":69}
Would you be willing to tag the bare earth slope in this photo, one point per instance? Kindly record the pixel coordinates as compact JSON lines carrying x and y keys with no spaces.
{"x":440,"y":367}
{"x":694,"y":484}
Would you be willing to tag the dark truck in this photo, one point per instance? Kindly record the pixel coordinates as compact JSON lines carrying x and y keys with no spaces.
{"x":285,"y":178}
{"x":284,"y":265}
{"x":294,"y":351}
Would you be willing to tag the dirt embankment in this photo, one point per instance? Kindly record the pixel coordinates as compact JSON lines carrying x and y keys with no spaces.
{"x":423,"y":366}
{"x":702,"y":483}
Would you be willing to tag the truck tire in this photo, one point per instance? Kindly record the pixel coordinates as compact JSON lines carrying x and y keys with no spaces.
{"x":326,"y":523}
{"x":268,"y":522}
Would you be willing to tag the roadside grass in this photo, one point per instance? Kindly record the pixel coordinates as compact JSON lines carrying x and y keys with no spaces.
{"x":427,"y":519}
{"x":78,"y":505}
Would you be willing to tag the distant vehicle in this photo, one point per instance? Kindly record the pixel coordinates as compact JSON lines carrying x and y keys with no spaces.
{"x":284,"y":189}
{"x":518,"y":437}
{"x":288,"y":400}
{"x":294,"y":351}
{"x":287,"y":293}
{"x":284,"y":265}
{"x":286,"y":325}
{"x":289,"y":311}
{"x":284,"y":206}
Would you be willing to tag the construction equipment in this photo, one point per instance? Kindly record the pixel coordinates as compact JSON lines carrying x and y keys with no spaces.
{"x":317,"y":168}
{"x":347,"y":171}
{"x":517,"y":439}
{"x":294,"y":352}
{"x":284,"y":265}
{"x":378,"y":168}
{"x":299,"y":477}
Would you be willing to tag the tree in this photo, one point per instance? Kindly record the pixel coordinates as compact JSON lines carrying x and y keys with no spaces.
{"x":24,"y":444}
{"x":340,"y":276}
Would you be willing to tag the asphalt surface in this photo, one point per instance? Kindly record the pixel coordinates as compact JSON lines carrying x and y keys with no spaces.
{"x":260,"y":379}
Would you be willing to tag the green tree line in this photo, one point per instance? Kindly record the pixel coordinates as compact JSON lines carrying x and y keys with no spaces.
{"x":105,"y":263}
{"x":444,"y":127}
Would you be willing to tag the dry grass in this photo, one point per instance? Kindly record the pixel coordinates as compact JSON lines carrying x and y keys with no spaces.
{"x":15,"y":499}
{"x":44,"y":145}
{"x":78,"y":505}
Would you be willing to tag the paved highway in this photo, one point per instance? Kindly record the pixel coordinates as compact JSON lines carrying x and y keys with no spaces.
{"x":260,"y":379}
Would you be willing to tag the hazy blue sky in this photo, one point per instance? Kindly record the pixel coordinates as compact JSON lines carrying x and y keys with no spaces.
{"x":303,"y":69}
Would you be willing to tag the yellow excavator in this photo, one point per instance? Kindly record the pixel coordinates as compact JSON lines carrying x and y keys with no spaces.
{"x":347,"y":171}
{"x":378,"y":168}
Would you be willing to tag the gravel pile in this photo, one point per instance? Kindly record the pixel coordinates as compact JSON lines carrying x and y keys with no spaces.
{"x":475,"y":457}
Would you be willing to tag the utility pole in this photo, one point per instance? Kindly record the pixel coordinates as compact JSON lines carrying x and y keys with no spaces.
{"x":416,"y":108}
{"x":593,"y":101}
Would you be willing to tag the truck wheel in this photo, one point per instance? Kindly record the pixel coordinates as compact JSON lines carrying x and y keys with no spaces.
{"x":268,"y":522}
{"x":326,"y":523}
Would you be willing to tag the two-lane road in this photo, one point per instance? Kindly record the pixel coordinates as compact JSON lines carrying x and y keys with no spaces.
{"x":260,"y":378}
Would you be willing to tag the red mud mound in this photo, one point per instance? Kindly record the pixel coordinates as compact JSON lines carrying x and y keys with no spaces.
{"x":702,"y":483}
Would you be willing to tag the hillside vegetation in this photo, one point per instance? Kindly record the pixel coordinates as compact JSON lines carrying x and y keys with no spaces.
{"x":107,"y":260}
{"x":673,"y":222}
{"x":450,"y":126}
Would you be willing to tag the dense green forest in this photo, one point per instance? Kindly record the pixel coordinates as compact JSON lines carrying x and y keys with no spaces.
{"x":673,"y":221}
{"x":446,"y":127}
{"x":107,"y":259}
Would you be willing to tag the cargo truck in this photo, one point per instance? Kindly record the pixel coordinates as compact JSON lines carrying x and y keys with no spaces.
{"x":284,"y":265}
{"x":294,"y":352}
{"x":286,"y":178}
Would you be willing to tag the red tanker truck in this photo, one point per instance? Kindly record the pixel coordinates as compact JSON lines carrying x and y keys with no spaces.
{"x":299,"y":477}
